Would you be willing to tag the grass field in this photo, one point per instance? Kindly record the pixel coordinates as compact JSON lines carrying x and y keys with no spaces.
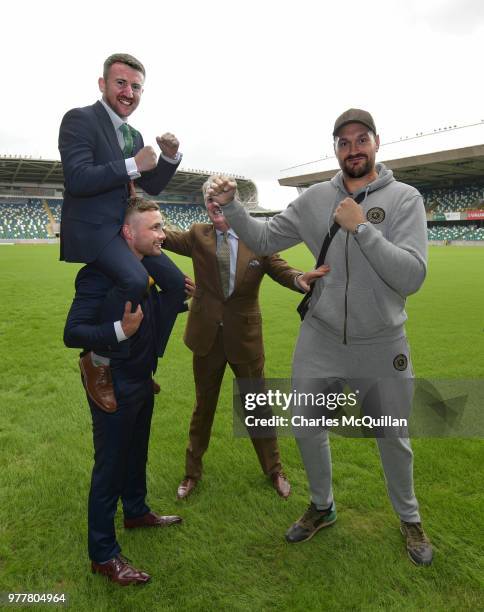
{"x":230,"y":553}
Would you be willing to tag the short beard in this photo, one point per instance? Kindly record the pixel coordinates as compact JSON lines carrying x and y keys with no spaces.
{"x":358,"y":172}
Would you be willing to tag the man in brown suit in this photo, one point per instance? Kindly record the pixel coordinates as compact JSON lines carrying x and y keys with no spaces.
{"x":225,"y":326}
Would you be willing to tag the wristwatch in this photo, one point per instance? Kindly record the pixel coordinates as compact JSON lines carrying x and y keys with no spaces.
{"x":361,"y":227}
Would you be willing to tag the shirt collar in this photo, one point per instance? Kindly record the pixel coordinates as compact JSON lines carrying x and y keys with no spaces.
{"x":230,"y":232}
{"x":116,"y":119}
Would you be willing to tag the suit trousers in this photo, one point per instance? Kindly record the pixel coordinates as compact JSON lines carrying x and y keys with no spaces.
{"x":208,"y":371}
{"x":382,"y":373}
{"x":120,"y":456}
{"x":131,"y":278}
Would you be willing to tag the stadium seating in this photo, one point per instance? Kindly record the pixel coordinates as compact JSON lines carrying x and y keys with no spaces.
{"x":55,"y":206}
{"x":453,"y":200}
{"x":455,"y":232}
{"x":24,"y":218}
{"x":184,"y":216}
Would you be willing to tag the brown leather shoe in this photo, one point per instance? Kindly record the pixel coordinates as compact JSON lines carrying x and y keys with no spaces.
{"x":156,"y":387}
{"x":119,"y":570}
{"x":186,"y":487}
{"x":151,"y":519}
{"x":281,"y":484}
{"x":98,"y":383}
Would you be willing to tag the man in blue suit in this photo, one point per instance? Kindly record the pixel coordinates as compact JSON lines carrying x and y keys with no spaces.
{"x":103,"y":157}
{"x":121,"y":436}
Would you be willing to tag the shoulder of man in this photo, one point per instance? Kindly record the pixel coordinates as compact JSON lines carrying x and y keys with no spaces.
{"x":87,"y":111}
{"x":317,"y":193}
{"x":201,"y":229}
{"x":404,"y":189}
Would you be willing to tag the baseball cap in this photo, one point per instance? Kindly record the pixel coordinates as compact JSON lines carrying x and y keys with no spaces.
{"x":354,"y":115}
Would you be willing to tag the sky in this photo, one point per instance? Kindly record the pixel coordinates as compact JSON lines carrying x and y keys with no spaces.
{"x":248,"y":87}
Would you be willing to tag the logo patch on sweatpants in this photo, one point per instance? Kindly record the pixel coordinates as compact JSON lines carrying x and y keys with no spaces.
{"x":375,"y":215}
{"x":400,"y":362}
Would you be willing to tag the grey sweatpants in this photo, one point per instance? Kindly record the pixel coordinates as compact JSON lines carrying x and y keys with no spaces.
{"x":382,"y":372}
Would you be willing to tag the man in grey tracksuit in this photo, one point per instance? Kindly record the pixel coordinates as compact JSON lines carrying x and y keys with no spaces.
{"x":354,"y":330}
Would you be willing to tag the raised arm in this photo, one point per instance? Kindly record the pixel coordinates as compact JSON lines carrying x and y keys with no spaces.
{"x":263,"y":237}
{"x":178,"y":242}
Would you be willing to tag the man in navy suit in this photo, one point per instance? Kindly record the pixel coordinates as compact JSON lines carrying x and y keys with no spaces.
{"x":121,"y":435}
{"x":102,"y":158}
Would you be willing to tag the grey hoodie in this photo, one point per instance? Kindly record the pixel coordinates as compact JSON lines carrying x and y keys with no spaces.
{"x":362,"y":299}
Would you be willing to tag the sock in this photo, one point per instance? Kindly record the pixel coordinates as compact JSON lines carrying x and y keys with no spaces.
{"x":323,"y":509}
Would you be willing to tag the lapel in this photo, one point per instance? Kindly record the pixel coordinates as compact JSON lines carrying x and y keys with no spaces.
{"x":108,"y":129}
{"x":213,"y":272}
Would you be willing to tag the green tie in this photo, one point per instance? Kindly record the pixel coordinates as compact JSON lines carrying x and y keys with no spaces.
{"x":128,"y":140}
{"x":223,"y":258}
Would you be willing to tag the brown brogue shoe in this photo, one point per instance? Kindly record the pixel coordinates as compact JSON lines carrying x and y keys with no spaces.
{"x":281,"y":484}
{"x":98,"y":383}
{"x":151,"y":519}
{"x":120,"y":570}
{"x":186,"y":487}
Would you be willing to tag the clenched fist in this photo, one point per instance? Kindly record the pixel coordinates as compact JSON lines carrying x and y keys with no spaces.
{"x":146,"y":159}
{"x":168,"y":144}
{"x":349,"y":214}
{"x":222,"y":190}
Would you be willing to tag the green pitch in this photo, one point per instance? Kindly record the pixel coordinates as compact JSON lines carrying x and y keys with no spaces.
{"x":230,"y":553}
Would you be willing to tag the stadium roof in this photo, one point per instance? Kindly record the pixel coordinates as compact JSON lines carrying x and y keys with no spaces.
{"x":445,"y":157}
{"x":28,"y":172}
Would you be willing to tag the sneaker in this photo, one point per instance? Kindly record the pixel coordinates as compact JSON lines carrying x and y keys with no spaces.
{"x":310,"y":523}
{"x":419,"y":548}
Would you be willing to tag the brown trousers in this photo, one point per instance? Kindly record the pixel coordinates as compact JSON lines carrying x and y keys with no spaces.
{"x":208,"y":372}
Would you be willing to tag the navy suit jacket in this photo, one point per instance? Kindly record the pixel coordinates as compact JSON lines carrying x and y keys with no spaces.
{"x":84,"y":329}
{"x":96,"y":182}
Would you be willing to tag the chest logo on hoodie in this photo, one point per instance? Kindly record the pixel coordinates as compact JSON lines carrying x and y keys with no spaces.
{"x":375,"y":215}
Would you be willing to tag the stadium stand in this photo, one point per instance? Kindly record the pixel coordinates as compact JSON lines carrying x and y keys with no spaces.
{"x":184,"y":216}
{"x":455,"y":232}
{"x":28,"y":218}
{"x":23,"y":218}
{"x":180,"y":215}
{"x":453,"y":200}
{"x":55,"y":206}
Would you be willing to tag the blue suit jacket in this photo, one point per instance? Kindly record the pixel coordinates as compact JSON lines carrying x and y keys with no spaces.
{"x":138,"y":356}
{"x":96,"y":182}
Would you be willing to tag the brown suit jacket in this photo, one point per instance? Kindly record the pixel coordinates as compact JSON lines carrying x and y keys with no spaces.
{"x":239,"y":314}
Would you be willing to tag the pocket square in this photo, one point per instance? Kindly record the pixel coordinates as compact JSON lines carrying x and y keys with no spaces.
{"x":254,"y":263}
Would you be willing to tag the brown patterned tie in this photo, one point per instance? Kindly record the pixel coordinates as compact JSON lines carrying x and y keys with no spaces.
{"x":223,"y":259}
